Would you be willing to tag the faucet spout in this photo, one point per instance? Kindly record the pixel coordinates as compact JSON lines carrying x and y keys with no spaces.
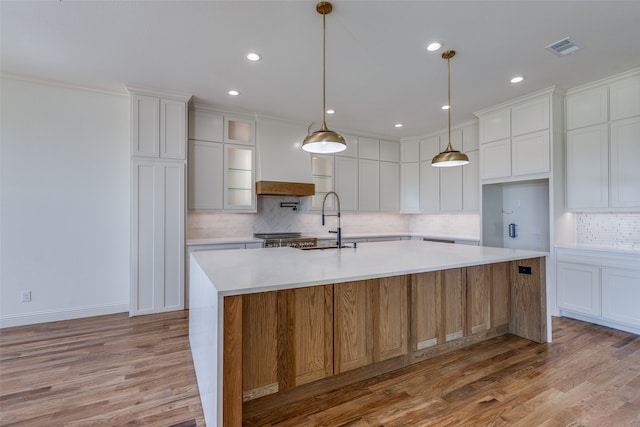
{"x":338,"y":231}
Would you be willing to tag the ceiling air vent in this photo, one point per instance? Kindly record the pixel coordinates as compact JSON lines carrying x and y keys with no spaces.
{"x":564,"y":47}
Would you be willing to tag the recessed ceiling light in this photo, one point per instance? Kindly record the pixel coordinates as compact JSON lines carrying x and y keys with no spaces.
{"x":234,"y":92}
{"x":517,"y":79}
{"x":446,"y":107}
{"x":330,"y":111}
{"x":253,"y":56}
{"x":398,"y":125}
{"x":432,"y":47}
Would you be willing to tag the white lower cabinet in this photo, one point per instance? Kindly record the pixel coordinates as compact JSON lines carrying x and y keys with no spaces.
{"x":599,"y":286}
{"x":580,"y":289}
{"x":621,"y":295}
{"x":157,"y":228}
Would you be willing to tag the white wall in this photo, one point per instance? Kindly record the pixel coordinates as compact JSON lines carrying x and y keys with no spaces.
{"x":64,"y":206}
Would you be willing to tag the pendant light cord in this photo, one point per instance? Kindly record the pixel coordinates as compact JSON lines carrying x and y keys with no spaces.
{"x":449,"y":147}
{"x":324,"y":82}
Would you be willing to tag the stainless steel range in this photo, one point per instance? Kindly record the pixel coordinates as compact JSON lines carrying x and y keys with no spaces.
{"x":292,"y":240}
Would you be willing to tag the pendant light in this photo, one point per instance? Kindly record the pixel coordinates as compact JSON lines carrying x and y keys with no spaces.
{"x":324,"y":140}
{"x":449,"y":157}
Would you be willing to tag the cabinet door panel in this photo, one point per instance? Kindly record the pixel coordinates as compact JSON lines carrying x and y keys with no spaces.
{"x":625,"y":98}
{"x":479,"y":298}
{"x":368,"y":185}
{"x":454,"y":303}
{"x":495,"y":125}
{"x":495,"y":159}
{"x":409,"y":151}
{"x":587,"y":108}
{"x":625,"y":172}
{"x":353,"y":339}
{"x":259,"y":345}
{"x":500,"y":281}
{"x":410,"y":187}
{"x":389,"y":187}
{"x":579,"y":288}
{"x":450,"y":188}
{"x":429,"y":187}
{"x":531,"y":154}
{"x":471,"y":182}
{"x":588,"y":168}
{"x":311,"y":320}
{"x":530,"y":117}
{"x":173,"y":129}
{"x":389,"y":151}
{"x":426,"y":310}
{"x":145,"y":129}
{"x":620,"y":295}
{"x":346,"y":182}
{"x":205,"y":175}
{"x":368,"y":148}
{"x":206,"y":126}
{"x":390,"y":317}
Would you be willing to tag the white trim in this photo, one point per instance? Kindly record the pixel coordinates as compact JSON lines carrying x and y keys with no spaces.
{"x":547,"y":91}
{"x":62,"y":314}
{"x":604,"y":82}
{"x":58,"y":84}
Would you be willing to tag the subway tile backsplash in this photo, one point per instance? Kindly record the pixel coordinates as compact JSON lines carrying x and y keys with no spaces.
{"x":608,"y":229}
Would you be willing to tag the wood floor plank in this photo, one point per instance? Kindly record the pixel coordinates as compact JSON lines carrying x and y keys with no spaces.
{"x":115,"y":370}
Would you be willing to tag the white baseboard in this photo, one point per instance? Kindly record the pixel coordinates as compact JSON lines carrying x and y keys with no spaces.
{"x":599,"y":321}
{"x":63,"y":314}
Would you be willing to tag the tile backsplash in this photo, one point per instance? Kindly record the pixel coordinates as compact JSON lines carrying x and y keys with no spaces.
{"x":273,"y":218}
{"x":608,"y":229}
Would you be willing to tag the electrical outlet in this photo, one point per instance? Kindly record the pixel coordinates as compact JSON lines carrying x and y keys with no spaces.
{"x":26,"y":296}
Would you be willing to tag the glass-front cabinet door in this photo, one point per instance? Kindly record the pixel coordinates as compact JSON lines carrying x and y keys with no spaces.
{"x":239,"y":192}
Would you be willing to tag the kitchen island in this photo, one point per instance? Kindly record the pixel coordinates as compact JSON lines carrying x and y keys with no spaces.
{"x":268,"y":326}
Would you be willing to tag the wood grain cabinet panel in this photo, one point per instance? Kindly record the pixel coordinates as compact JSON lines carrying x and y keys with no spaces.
{"x":390,"y":317}
{"x":500,"y":296}
{"x":426,"y":310}
{"x":528,"y":299}
{"x":352,"y":327}
{"x":479,"y":298}
{"x":310,"y":334}
{"x":259,"y":345}
{"x":454,"y":303}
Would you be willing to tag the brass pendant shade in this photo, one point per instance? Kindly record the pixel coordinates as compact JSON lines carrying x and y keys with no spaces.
{"x":324,"y":140}
{"x":449,"y":157}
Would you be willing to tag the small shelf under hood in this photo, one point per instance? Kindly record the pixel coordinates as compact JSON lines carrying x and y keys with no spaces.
{"x":278,"y":188}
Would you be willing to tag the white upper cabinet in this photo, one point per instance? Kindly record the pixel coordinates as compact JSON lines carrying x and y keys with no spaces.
{"x":429,"y":176}
{"x":206,"y":126}
{"x":389,"y":151}
{"x":409,"y":151}
{"x":389,"y":186}
{"x":495,"y":125}
{"x":602,"y":159}
{"x":625,"y":171}
{"x":588,"y":167}
{"x":368,"y":185}
{"x":410,"y":187}
{"x":346,"y":182}
{"x":159,"y":127}
{"x":368,"y":148}
{"x":239,"y":178}
{"x":205,"y":175}
{"x":429,"y":148}
{"x":526,"y":151}
{"x":451,"y":188}
{"x":587,"y":108}
{"x":470,"y":138}
{"x":530,"y":153}
{"x":322,"y":175}
{"x":530,"y":116}
{"x":352,"y":146}
{"x":240,"y":130}
{"x":471,"y":182}
{"x":625,"y":98}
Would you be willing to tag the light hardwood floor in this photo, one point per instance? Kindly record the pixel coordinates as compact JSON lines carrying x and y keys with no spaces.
{"x":115,"y":370}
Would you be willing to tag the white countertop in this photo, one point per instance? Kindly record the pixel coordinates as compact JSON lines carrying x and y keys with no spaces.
{"x":622,"y":249}
{"x":235,"y":272}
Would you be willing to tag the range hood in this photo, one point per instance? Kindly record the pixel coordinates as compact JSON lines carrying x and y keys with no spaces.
{"x":282,"y":167}
{"x":280,"y":188}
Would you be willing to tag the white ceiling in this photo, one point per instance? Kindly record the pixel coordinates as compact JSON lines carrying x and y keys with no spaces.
{"x":378,"y":71}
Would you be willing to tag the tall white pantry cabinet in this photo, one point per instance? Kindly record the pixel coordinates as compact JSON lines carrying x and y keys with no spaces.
{"x":158,"y":201}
